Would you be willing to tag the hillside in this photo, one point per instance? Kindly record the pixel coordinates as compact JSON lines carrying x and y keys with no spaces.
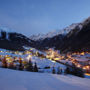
{"x":78,"y":39}
{"x":18,"y":80}
{"x":12,"y":40}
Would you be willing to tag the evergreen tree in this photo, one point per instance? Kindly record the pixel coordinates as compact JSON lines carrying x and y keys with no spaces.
{"x":3,"y":34}
{"x":67,"y":70}
{"x":29,"y":66}
{"x":35,"y":68}
{"x":20,"y":64}
{"x":53,"y":70}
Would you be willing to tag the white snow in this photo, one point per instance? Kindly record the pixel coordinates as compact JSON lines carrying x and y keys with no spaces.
{"x":42,"y":63}
{"x":21,"y":80}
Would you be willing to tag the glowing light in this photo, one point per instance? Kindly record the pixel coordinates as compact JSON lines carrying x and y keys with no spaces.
{"x":82,"y":53}
{"x":53,"y":61}
{"x":56,"y":58}
{"x":29,"y":57}
{"x":84,"y":68}
{"x":87,"y":67}
{"x":78,"y":65}
{"x":88,"y":74}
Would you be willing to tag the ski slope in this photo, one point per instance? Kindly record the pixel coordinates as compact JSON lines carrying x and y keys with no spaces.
{"x":22,"y":80}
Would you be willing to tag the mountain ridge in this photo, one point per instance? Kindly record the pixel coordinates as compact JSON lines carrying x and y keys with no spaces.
{"x":13,"y":40}
{"x":77,"y":39}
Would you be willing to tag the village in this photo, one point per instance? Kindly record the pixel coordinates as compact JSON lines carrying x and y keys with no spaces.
{"x":15,"y":58}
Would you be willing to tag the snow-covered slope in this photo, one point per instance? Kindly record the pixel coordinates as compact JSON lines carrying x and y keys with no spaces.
{"x":43,"y":63}
{"x":18,"y":80}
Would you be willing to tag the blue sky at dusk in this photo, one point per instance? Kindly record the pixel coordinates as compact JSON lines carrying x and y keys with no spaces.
{"x":42,"y":16}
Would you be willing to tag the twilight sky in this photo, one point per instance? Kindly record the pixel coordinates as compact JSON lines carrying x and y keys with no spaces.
{"x":42,"y":16}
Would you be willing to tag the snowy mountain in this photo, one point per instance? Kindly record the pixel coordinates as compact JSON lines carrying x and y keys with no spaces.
{"x":54,"y":33}
{"x":76,"y":37}
{"x":58,"y":32}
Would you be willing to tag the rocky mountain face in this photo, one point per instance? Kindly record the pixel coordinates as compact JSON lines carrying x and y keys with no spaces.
{"x":12,"y":40}
{"x":77,"y":38}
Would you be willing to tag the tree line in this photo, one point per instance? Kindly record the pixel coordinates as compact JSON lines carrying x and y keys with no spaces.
{"x":29,"y":66}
